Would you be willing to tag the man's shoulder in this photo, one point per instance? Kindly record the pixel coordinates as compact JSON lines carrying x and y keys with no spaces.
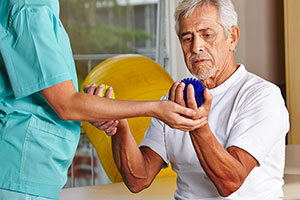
{"x":256,"y":90}
{"x":257,"y":84}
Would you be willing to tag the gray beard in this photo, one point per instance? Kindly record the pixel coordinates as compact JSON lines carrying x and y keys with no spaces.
{"x":202,"y":76}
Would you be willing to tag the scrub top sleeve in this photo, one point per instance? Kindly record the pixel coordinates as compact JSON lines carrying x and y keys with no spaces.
{"x":261,"y":123}
{"x":37,"y":56}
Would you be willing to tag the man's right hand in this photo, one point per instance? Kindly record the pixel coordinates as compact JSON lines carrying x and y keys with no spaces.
{"x":176,"y":95}
{"x":109,"y":127}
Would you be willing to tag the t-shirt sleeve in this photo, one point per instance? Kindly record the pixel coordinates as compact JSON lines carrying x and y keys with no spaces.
{"x":35,"y":59}
{"x":154,"y":138}
{"x":262,"y":120}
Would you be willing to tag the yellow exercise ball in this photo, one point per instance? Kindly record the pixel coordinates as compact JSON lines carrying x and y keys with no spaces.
{"x":133,"y":77}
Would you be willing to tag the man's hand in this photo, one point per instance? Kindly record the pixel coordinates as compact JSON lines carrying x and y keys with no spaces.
{"x":110,"y":127}
{"x":176,"y":95}
{"x":227,"y":168}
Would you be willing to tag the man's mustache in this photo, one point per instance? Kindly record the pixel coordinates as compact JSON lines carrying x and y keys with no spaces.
{"x":200,"y":56}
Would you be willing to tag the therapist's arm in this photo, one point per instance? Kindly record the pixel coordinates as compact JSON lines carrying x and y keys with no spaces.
{"x":71,"y":105}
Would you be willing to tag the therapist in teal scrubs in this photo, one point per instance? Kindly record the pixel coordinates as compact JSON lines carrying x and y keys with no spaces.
{"x":40,"y":107}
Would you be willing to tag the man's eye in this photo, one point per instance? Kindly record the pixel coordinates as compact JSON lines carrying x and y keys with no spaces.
{"x":208,"y":35}
{"x":187,"y":39}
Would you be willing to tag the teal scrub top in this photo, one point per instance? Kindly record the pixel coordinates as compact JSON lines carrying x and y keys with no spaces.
{"x":37,"y":146}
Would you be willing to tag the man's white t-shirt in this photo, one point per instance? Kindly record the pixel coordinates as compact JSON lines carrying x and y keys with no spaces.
{"x":247,"y":112}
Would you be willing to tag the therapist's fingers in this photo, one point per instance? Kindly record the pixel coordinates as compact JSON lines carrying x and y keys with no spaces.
{"x":103,"y":125}
{"x":110,"y":127}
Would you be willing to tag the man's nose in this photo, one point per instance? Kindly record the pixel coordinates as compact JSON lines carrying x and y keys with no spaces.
{"x":198,"y":45}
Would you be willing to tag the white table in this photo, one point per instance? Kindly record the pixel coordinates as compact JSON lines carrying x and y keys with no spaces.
{"x":291,"y":188}
{"x":163,"y":188}
{"x":160,"y":189}
{"x":292,"y":172}
{"x":292,"y":159}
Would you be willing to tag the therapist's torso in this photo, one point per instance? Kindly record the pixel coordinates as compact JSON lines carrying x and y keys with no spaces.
{"x":37,"y":146}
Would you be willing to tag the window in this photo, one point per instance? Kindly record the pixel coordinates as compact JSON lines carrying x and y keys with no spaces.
{"x":98,"y":30}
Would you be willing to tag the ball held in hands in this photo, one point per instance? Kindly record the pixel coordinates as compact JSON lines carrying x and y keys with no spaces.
{"x":198,"y":87}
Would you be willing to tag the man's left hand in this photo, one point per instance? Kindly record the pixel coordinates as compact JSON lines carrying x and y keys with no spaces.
{"x":110,"y":127}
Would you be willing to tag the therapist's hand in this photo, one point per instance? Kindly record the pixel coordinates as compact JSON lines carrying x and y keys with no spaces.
{"x":110,"y":127}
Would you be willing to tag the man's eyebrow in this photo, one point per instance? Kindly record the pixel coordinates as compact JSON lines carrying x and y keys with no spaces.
{"x":184,"y":34}
{"x":200,"y":29}
{"x":204,"y":29}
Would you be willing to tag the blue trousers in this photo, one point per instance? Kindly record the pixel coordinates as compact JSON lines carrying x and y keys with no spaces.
{"x":11,"y":195}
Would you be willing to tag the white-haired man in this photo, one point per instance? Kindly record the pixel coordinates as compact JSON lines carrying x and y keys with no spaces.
{"x":238,"y":152}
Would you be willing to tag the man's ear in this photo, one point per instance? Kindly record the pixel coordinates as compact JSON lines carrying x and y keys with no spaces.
{"x":233,"y":37}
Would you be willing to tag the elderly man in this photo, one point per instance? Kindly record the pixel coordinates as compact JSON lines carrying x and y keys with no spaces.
{"x":238,"y":152}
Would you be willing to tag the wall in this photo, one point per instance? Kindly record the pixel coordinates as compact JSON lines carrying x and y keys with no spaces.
{"x":261,"y":46}
{"x":292,"y":29}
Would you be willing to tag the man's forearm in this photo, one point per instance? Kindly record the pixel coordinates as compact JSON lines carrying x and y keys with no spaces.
{"x":223,"y":169}
{"x":129,"y":159}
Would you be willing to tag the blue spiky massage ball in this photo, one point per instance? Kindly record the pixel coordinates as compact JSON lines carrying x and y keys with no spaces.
{"x":198,"y":87}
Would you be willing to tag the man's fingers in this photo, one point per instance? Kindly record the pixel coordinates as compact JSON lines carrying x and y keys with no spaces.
{"x":179,"y":94}
{"x":208,"y":100}
{"x":208,"y":97}
{"x":99,"y":90}
{"x":85,"y":87}
{"x":91,"y":89}
{"x":191,"y":102}
{"x":172,"y":91}
{"x":109,"y":92}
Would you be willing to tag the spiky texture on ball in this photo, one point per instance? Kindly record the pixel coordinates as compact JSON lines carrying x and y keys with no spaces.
{"x":198,"y":87}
